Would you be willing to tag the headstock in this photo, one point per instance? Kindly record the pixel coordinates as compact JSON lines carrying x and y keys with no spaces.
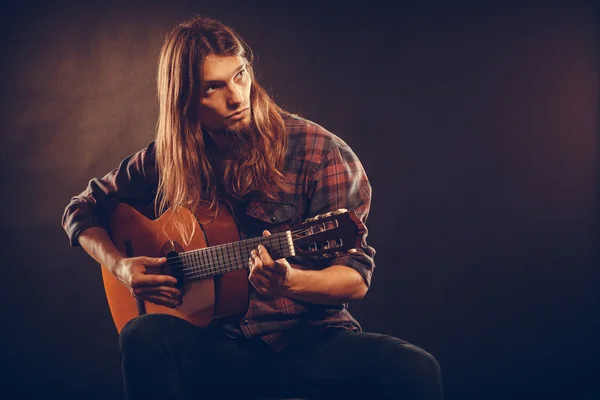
{"x":328,"y":235}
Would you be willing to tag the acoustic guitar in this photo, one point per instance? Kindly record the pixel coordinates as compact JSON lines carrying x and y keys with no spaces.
{"x":211,"y":268}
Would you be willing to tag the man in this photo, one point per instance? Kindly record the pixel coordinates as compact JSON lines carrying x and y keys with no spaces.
{"x":222,"y":140}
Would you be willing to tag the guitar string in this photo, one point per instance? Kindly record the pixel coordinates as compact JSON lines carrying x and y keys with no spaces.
{"x":218,"y":264}
{"x":208,"y":272}
{"x":215,"y":249}
{"x":218,"y":269}
{"x":221,"y":266}
{"x":226,"y":249}
{"x":215,"y":260}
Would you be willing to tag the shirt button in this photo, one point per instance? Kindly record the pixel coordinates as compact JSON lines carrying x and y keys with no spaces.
{"x":273,"y":219}
{"x":245,"y":321}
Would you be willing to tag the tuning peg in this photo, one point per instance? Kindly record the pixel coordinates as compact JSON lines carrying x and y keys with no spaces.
{"x":312,"y":219}
{"x":327,"y":214}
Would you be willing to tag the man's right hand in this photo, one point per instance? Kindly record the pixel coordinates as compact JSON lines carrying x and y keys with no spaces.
{"x":141,"y":275}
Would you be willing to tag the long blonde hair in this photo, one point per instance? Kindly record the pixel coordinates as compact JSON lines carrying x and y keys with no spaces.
{"x":186,"y":170}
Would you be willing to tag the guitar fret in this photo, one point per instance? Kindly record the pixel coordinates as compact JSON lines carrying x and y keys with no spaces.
{"x":202,"y":262}
{"x":244,"y":253}
{"x":214,"y":266}
{"x":249,"y":247}
{"x":191,"y":262}
{"x":188,"y":262}
{"x":185,"y":261}
{"x":209,"y":262}
{"x":209,"y":256}
{"x":268,"y":243}
{"x":215,"y":260}
{"x":232,"y":257}
{"x":194,"y":258}
{"x":223,"y":259}
{"x":272,"y":247}
{"x":182,"y":261}
{"x":220,"y":259}
{"x":223,"y":263}
{"x":227,"y":256}
{"x":235,"y":261}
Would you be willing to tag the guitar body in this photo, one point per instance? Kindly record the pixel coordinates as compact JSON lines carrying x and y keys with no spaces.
{"x":204,"y":300}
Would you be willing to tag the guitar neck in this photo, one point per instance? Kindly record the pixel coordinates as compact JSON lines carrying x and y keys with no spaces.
{"x":217,"y":260}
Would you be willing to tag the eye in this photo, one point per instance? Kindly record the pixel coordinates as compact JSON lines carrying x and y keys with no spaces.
{"x":241,"y":73}
{"x":209,"y":89}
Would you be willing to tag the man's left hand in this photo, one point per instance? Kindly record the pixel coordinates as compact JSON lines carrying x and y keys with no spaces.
{"x":268,"y":276}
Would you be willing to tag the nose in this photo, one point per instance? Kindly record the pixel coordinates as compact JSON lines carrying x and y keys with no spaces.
{"x":235,"y":98}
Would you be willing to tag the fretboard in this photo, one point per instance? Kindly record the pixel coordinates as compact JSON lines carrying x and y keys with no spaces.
{"x":216,"y":260}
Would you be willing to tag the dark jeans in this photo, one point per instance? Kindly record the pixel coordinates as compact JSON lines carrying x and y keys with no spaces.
{"x":164,"y":357}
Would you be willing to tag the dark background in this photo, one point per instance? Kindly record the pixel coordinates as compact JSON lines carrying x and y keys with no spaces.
{"x":477,"y":125}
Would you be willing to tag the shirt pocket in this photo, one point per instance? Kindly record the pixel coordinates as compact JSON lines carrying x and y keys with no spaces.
{"x":272,"y":212}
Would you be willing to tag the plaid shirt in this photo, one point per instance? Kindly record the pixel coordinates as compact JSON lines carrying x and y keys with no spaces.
{"x":323,"y":174}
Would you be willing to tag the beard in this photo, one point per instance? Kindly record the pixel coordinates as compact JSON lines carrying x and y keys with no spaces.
{"x":239,"y":141}
{"x":230,"y":152}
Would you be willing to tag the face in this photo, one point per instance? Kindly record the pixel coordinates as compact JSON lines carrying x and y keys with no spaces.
{"x":225,"y":98}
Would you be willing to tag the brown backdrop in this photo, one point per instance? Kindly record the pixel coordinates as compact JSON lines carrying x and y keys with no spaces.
{"x":478,"y":127}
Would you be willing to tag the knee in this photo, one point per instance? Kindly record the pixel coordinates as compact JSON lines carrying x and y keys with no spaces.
{"x":410,"y":363}
{"x":144,"y":331}
{"x":417,"y":374}
{"x":425,"y":366}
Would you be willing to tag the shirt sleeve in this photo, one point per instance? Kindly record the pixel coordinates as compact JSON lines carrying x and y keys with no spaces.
{"x":134,"y":182}
{"x":340,"y":181}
